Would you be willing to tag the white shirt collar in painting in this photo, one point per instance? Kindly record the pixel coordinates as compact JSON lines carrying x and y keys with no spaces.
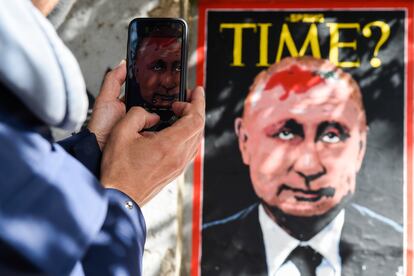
{"x":279,"y":244}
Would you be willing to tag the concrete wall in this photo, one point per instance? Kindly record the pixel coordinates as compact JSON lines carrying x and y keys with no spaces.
{"x":96,"y":32}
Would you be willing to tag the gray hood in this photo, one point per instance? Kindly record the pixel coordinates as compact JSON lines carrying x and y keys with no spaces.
{"x":59,"y":13}
{"x":38,"y":68}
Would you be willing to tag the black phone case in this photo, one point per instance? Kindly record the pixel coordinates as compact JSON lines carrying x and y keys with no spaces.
{"x":164,"y":114}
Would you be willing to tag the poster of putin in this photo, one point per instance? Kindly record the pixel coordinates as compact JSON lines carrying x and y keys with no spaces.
{"x":307,"y":162}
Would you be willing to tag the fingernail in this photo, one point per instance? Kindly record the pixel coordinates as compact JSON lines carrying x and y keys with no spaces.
{"x":202,"y":91}
{"x":122,"y":63}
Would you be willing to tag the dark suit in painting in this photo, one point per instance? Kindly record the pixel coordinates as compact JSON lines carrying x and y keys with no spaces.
{"x":369,"y":245}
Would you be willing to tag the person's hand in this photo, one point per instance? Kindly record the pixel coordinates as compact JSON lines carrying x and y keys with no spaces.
{"x":140,"y":163}
{"x":108,"y":108}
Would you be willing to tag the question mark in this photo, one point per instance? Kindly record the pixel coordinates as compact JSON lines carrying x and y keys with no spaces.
{"x":385,"y":34}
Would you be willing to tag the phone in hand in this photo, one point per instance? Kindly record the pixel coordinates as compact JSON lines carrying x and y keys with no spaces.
{"x":156,"y":66}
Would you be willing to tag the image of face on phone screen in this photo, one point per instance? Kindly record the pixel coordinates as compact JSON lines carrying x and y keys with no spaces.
{"x":157,"y":70}
{"x":155,"y":66}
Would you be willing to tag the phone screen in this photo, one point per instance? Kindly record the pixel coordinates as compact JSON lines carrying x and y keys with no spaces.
{"x":156,"y":66}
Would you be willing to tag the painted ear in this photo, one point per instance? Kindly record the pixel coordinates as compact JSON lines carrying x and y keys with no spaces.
{"x":242,"y":139}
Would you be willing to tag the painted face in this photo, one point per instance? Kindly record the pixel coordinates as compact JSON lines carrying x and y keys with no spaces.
{"x":303,"y":138}
{"x":158,"y":69}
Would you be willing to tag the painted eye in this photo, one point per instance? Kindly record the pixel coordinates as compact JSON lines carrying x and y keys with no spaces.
{"x":157,"y":68}
{"x":177,"y":66}
{"x":285,"y":135}
{"x":330,"y":137}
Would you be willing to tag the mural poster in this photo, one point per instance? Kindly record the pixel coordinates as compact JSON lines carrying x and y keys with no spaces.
{"x":306,"y":167}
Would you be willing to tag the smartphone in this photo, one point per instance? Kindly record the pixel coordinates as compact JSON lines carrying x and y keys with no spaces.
{"x":156,"y":66}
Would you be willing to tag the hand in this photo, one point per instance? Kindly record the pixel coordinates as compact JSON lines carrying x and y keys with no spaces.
{"x":108,"y":108}
{"x":139,"y":163}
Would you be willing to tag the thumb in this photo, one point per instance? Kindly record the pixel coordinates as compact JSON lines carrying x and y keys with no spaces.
{"x":138,"y":119}
{"x":111,"y":87}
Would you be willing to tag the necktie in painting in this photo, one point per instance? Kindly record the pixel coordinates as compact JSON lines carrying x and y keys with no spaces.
{"x":306,"y":260}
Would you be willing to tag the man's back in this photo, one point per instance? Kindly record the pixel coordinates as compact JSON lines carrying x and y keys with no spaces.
{"x":55,"y":217}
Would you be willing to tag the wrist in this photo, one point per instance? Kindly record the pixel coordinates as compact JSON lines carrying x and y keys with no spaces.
{"x":122,"y":190}
{"x":100,"y":139}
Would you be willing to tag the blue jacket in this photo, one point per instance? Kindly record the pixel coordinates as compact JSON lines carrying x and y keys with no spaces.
{"x":55,"y":216}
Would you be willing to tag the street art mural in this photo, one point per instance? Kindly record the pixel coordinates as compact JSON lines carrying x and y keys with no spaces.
{"x":306,"y":167}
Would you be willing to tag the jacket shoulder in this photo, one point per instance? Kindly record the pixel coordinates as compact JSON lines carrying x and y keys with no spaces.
{"x":234,"y":245}
{"x":371,"y":244}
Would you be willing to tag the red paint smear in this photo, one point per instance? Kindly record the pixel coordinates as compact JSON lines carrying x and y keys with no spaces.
{"x":161,"y":42}
{"x":294,"y":80}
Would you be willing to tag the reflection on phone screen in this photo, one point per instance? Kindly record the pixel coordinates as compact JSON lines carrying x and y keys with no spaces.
{"x":155,"y":64}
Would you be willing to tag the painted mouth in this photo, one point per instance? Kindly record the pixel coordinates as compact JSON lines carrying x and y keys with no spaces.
{"x":307,"y":195}
{"x":163,"y":97}
{"x":164,"y":101}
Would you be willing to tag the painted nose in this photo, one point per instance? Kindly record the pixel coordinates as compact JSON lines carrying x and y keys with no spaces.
{"x":308,"y":165}
{"x":168,"y":81}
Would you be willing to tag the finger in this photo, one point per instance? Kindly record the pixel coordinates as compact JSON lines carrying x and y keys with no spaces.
{"x":138,"y":119}
{"x":197,"y":100}
{"x":183,"y":129}
{"x":192,"y":120}
{"x":113,"y":82}
{"x":178,"y":108}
